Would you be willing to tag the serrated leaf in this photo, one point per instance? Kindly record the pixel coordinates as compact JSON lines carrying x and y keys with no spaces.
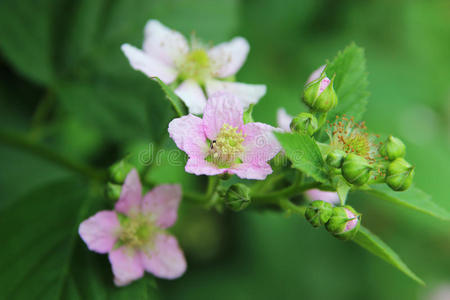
{"x":342,"y":188}
{"x":42,"y":255}
{"x":350,"y":83}
{"x":176,"y":102}
{"x":304,"y":154}
{"x":376,"y":246}
{"x":413,"y":198}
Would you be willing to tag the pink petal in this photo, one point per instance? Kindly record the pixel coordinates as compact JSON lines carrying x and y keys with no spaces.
{"x":284,"y":119}
{"x":316,"y":74}
{"x":99,"y":231}
{"x":199,"y":166}
{"x":227,"y":58}
{"x":164,"y":258}
{"x":251,"y":171}
{"x":222,"y":108}
{"x":260,"y":144}
{"x":129,"y":202}
{"x":149,"y":65}
{"x":164,"y":43}
{"x":162,"y":204}
{"x":188,"y":134}
{"x":352,"y":223}
{"x":323,"y":84}
{"x":192,"y":95}
{"x":126,"y":265}
{"x":316,"y":194}
{"x":246,"y":93}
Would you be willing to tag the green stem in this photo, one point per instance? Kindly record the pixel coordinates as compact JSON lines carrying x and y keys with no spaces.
{"x":194,"y":197}
{"x":24,"y":143}
{"x":292,"y":190}
{"x":213,"y":183}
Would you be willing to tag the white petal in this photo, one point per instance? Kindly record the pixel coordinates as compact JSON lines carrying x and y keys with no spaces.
{"x":284,"y":120}
{"x":164,"y":43}
{"x":192,"y":95}
{"x":246,"y":93}
{"x":227,"y":58}
{"x":150,"y":66}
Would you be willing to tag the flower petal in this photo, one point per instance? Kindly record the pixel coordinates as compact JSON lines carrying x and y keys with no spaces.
{"x":192,"y":95}
{"x":284,"y":120}
{"x":260,"y":143}
{"x":126,"y":265}
{"x":199,"y":166}
{"x":251,"y":171}
{"x":149,"y":65}
{"x":130,"y":199}
{"x":227,"y":58}
{"x":222,"y":108}
{"x":162,"y":204}
{"x":188,"y":134}
{"x":164,"y":43}
{"x":316,"y":74}
{"x":98,"y":232}
{"x":316,"y":194}
{"x":164,"y":258}
{"x":246,"y":93}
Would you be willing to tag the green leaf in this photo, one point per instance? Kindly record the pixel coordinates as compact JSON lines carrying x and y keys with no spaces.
{"x":304,"y":154}
{"x":176,"y":102}
{"x":413,"y":198}
{"x":42,"y":255}
{"x":350,"y":83}
{"x":373,"y":244}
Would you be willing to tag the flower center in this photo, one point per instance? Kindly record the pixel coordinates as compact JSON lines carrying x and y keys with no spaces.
{"x":227,"y":147}
{"x":352,"y":137}
{"x":136,"y":231}
{"x":196,"y":65}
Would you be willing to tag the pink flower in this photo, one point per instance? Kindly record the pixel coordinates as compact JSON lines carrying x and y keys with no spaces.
{"x":315,"y":194}
{"x":167,"y":54}
{"x":134,"y":232}
{"x":222,"y":143}
{"x":316,"y":74}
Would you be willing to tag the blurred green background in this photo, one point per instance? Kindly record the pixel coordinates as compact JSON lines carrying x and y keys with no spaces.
{"x":65,"y":84}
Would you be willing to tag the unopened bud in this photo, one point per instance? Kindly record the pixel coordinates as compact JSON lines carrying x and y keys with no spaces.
{"x":356,"y":169}
{"x":237,"y":197}
{"x":400,"y":175}
{"x":318,"y":213}
{"x":112,"y":191}
{"x":319,"y":95}
{"x":304,"y":123}
{"x":335,"y":158}
{"x":119,"y":171}
{"x":393,"y":148}
{"x":344,"y":223}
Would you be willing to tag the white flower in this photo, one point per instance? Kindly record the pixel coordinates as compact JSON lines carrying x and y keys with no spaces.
{"x":166,"y":54}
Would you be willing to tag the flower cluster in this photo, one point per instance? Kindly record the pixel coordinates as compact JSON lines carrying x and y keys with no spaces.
{"x":221,"y":139}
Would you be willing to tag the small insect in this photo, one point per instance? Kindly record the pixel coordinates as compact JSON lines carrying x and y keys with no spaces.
{"x":212,"y":144}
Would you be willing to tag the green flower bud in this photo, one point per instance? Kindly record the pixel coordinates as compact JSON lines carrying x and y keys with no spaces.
{"x":113,"y":191}
{"x":304,"y":123}
{"x":335,"y":158}
{"x":237,"y":197}
{"x":318,"y":213}
{"x":356,"y":169}
{"x":400,"y":175}
{"x":393,"y":148}
{"x":319,"y":95}
{"x":344,"y":223}
{"x":119,"y":171}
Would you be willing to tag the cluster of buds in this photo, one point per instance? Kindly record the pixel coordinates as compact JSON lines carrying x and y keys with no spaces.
{"x":117,"y":175}
{"x":341,"y":221}
{"x":361,"y":158}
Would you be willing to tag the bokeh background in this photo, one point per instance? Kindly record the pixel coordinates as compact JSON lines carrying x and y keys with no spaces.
{"x":65,"y":84}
